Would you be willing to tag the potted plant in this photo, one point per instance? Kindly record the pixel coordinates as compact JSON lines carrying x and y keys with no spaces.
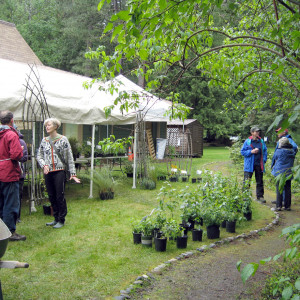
{"x":136,"y":231}
{"x":148,"y":184}
{"x":160,"y":238}
{"x":212,"y":218}
{"x":128,"y":169}
{"x":247,"y":205}
{"x":147,"y":228}
{"x":197,"y":231}
{"x":231,"y":219}
{"x":104,"y":182}
{"x":174,"y":173}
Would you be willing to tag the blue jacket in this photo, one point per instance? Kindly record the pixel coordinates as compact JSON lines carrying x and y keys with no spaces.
{"x":249,"y":157}
{"x":283,"y":161}
{"x":295,"y":147}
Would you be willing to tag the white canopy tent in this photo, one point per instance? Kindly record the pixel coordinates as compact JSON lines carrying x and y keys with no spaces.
{"x":70,"y":102}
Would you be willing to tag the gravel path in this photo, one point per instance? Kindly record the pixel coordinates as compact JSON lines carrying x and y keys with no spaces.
{"x":213,"y":274}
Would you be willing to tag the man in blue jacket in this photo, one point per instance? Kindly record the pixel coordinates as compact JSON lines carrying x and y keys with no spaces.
{"x":254,"y":151}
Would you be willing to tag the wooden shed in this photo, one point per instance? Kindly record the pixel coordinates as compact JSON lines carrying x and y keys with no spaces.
{"x":186,"y":138}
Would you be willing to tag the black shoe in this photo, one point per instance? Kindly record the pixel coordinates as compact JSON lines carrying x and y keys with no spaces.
{"x":53,"y":223}
{"x":278,"y":209}
{"x":261,"y":200}
{"x":273,"y":202}
{"x":287,"y":208}
{"x":17,"y":237}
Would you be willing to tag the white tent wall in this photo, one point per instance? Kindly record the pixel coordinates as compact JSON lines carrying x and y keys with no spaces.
{"x":69,"y":101}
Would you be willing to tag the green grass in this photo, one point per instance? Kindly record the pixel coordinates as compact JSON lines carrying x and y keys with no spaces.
{"x":93,"y":256}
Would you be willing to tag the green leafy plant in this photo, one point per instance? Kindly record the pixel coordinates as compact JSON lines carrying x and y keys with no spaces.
{"x":284,"y":286}
{"x":102,"y":179}
{"x":136,"y":226}
{"x":148,"y":184}
{"x":147,"y":226}
{"x":172,"y":229}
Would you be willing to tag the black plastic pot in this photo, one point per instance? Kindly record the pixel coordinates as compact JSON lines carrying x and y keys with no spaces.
{"x":185,"y":228}
{"x":47,"y":210}
{"x":248,"y":216}
{"x":213,"y":231}
{"x":160,"y":244}
{"x":197,"y":235}
{"x":173,"y":179}
{"x":106,"y":195}
{"x":230,"y":226}
{"x":162,"y":177}
{"x":146,"y":240}
{"x":194,"y":180}
{"x":223,"y":224}
{"x":181,"y":242}
{"x":184,"y":179}
{"x":129,"y":175}
{"x":137,"y":238}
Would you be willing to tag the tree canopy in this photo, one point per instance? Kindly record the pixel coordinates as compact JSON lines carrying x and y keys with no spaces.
{"x":249,"y":47}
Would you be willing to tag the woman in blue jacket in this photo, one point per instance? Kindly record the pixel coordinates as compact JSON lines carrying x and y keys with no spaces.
{"x":254,"y":151}
{"x":282,"y":163}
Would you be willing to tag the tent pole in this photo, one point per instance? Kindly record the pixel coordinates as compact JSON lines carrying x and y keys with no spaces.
{"x":134,"y":152}
{"x":92,"y":160}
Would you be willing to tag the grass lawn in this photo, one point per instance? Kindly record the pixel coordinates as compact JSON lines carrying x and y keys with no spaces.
{"x":93,"y":256}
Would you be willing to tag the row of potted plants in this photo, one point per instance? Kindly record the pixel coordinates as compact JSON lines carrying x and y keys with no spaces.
{"x":214,"y":201}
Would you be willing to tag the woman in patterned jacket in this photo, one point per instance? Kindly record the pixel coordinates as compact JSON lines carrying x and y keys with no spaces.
{"x":55,"y":156}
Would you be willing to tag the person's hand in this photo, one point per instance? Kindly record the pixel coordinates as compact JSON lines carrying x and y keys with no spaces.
{"x":77,"y":180}
{"x":46,"y":170}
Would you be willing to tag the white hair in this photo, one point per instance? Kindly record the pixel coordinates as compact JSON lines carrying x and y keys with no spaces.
{"x":283,"y":142}
{"x":54,"y":121}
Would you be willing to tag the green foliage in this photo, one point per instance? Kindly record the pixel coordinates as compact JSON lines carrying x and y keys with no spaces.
{"x":112,"y":146}
{"x":148,"y":184}
{"x":147,"y":226}
{"x":284,"y":281}
{"x":235,"y":153}
{"x":288,"y":287}
{"x":102,"y":179}
{"x":136,"y":226}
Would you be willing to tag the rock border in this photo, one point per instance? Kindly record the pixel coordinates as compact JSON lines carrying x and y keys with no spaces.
{"x":147,"y":278}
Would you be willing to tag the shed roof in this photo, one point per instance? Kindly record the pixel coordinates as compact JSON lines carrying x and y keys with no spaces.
{"x":179,"y":122}
{"x":14,"y":47}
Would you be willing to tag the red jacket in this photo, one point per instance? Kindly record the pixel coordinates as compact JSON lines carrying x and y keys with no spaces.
{"x":10,"y":153}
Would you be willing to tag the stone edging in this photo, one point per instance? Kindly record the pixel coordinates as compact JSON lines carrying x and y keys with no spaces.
{"x":144,"y":279}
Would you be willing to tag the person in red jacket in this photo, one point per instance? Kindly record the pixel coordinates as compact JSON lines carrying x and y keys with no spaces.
{"x":11,"y":152}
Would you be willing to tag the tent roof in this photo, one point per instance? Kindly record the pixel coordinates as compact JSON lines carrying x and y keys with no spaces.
{"x":68,"y":100}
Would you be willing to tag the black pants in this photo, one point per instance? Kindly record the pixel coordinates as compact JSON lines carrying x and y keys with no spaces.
{"x":259,"y":177}
{"x":286,"y":195}
{"x":55,"y":184}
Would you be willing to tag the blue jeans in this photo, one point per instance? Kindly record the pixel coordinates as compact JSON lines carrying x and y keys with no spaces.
{"x":286,"y":196}
{"x":9,"y":203}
